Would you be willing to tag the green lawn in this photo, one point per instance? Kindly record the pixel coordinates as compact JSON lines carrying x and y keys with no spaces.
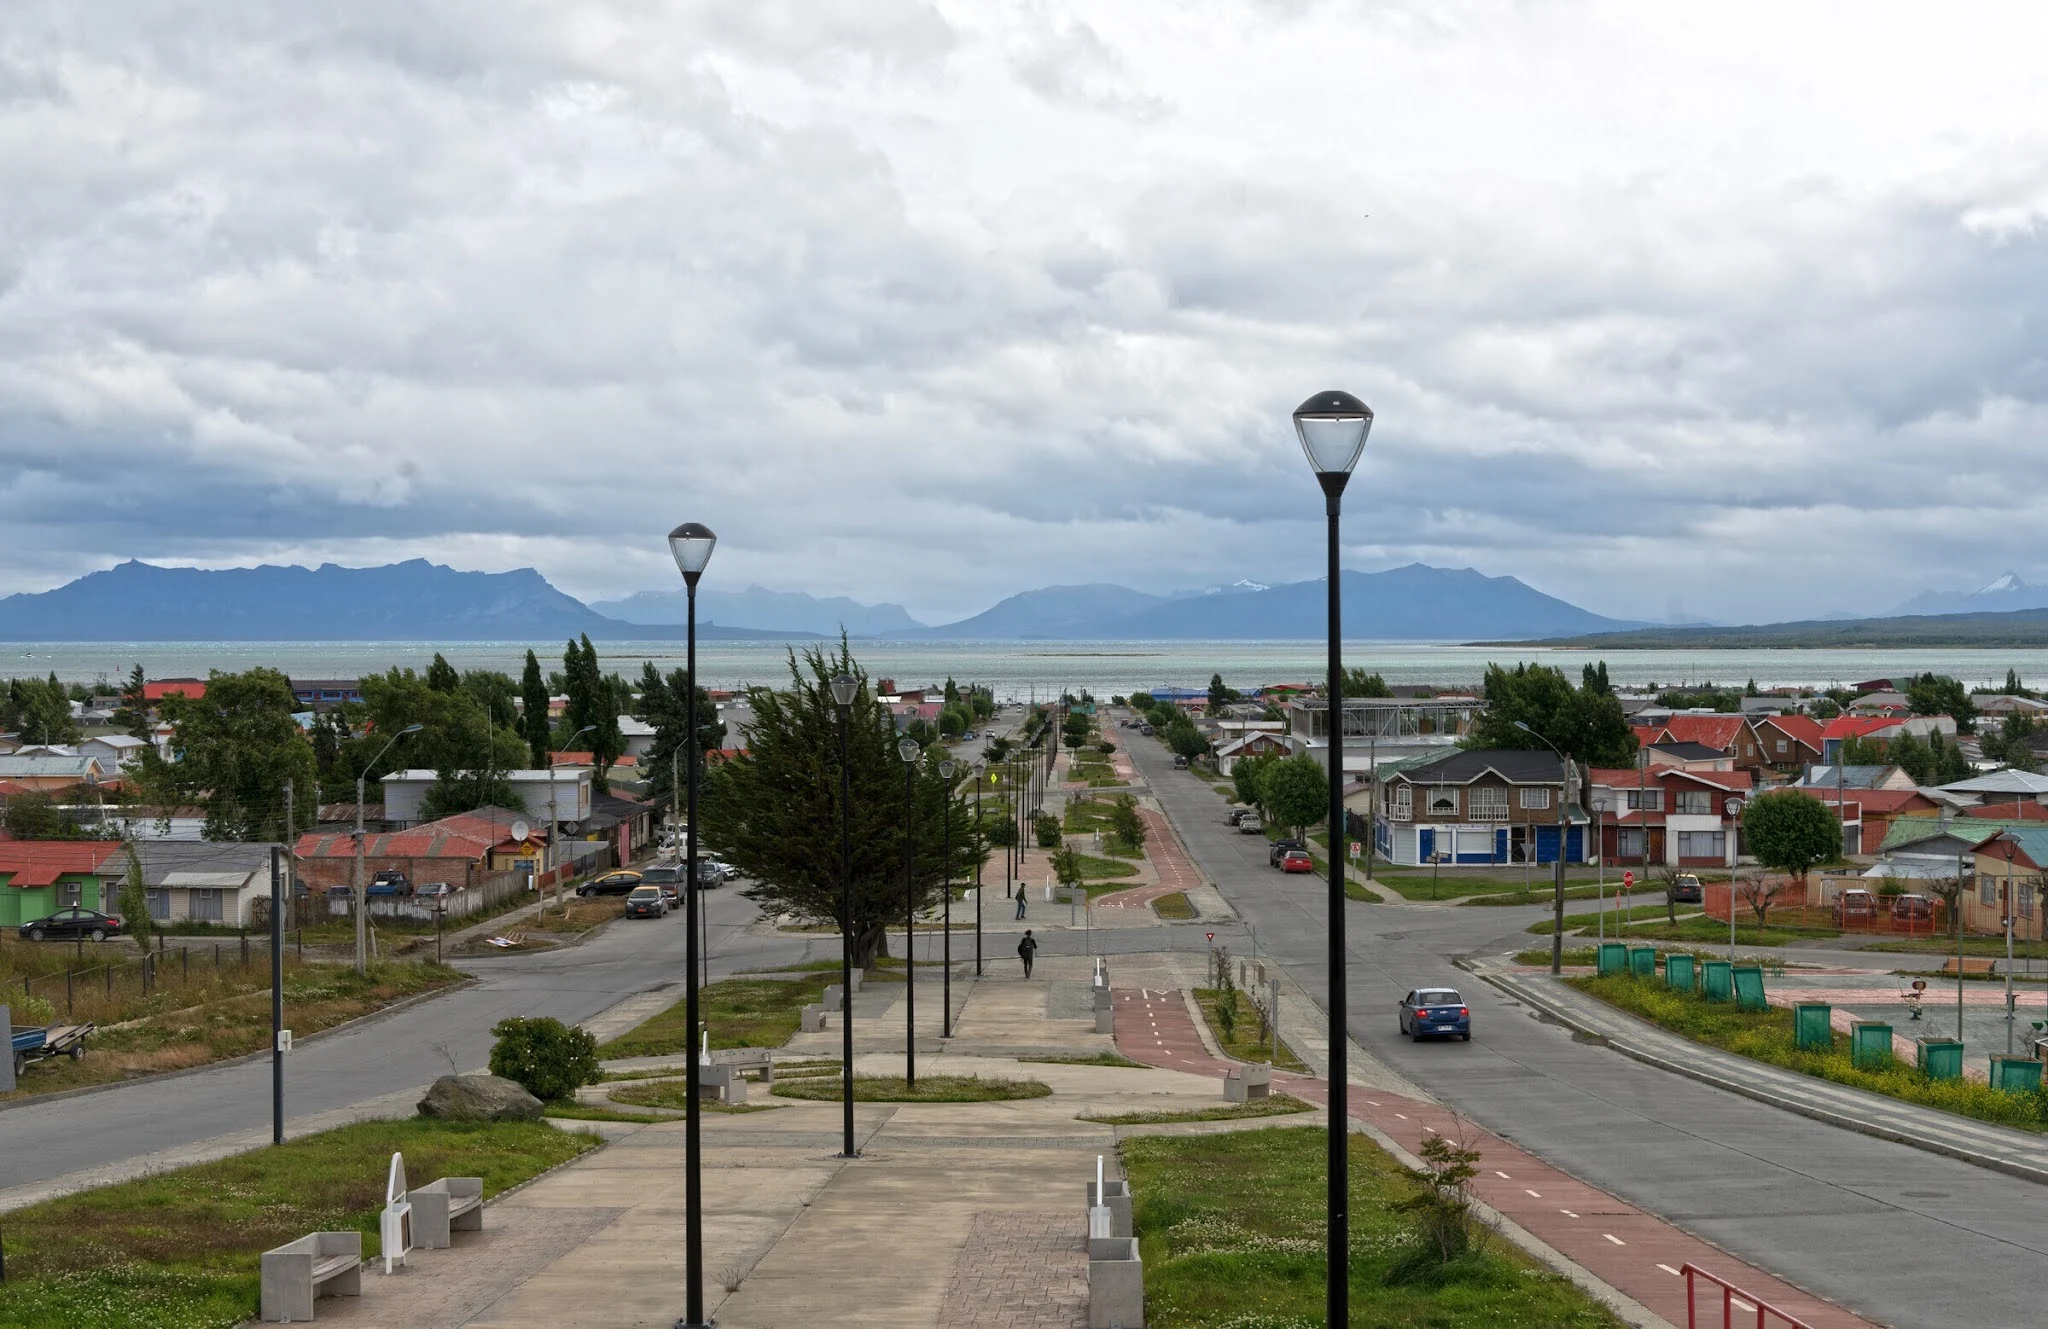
{"x":739,"y":1012}
{"x":1636,"y":914}
{"x":1766,"y":1036}
{"x":1456,"y":883}
{"x":181,"y":1249}
{"x":1174,"y":906}
{"x":1103,"y":869}
{"x":1278,"y":1105}
{"x":1704,"y":931}
{"x":1231,"y":1230}
{"x":1938,"y":946}
{"x":1245,"y":1044}
{"x":928,"y":1089}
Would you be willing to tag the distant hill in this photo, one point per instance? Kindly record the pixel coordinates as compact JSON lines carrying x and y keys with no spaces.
{"x":411,"y":601}
{"x":1413,"y":603}
{"x":2021,"y":627}
{"x":2002,"y":595}
{"x":772,"y":611}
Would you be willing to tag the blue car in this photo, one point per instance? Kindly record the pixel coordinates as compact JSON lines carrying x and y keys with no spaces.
{"x":1434,"y":1011}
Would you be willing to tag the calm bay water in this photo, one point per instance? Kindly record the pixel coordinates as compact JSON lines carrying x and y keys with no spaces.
{"x":1020,"y":669}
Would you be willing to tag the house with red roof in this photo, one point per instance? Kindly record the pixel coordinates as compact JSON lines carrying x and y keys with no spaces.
{"x":1784,"y":745}
{"x":1720,"y":732}
{"x":1867,"y":814}
{"x":1880,"y":729}
{"x":1670,"y":815}
{"x":459,"y":850}
{"x":156,"y":689}
{"x":39,"y":877}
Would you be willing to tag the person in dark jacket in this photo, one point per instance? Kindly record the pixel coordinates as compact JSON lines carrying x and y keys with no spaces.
{"x":1026,"y":949}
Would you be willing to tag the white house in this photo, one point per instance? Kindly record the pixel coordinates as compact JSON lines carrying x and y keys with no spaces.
{"x":638,"y":734}
{"x":209,"y":881}
{"x":113,"y":750}
{"x":562,"y":795}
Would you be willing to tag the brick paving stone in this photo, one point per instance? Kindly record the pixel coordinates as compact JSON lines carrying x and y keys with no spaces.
{"x":1027,"y":1270}
{"x":447,"y":1288}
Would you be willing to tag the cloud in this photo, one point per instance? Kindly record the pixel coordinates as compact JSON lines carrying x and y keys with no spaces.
{"x":933,"y":302}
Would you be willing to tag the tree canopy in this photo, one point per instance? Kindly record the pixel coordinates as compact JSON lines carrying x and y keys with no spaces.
{"x":1937,"y":694}
{"x":237,"y":745}
{"x":664,"y":703}
{"x":536,"y":726}
{"x":774,"y":811}
{"x":1296,"y":791}
{"x":38,"y":710}
{"x":595,"y":702}
{"x":1791,"y":831}
{"x":1360,"y":683}
{"x":1588,"y":725}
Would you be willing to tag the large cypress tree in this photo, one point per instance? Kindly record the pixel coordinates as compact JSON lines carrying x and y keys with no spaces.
{"x":535,"y":725}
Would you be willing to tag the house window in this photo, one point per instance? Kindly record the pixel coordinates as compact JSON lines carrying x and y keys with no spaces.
{"x":1646,"y":800}
{"x":159,"y":902}
{"x":1404,"y":802}
{"x":1628,"y":843}
{"x":1987,"y":889}
{"x":69,"y":894}
{"x":1702,"y":844}
{"x":2026,"y":901}
{"x":1695,"y":803}
{"x":1487,"y":805}
{"x":1443,"y":803}
{"x":1781,"y":747}
{"x":206,"y":906}
{"x":1535,"y":797}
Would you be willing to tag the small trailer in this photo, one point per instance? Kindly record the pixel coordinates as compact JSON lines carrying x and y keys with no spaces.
{"x":59,"y":1040}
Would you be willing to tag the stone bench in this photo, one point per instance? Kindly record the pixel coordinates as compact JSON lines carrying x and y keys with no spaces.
{"x":811,"y":1019}
{"x":319,"y":1263}
{"x":442,"y":1208}
{"x":747,"y":1059}
{"x":722,"y":1083}
{"x":1248,"y":1084}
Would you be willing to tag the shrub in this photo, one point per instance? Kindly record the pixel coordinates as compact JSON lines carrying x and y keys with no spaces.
{"x":546,"y":1056}
{"x":26,"y":1012}
{"x":1047,"y":828}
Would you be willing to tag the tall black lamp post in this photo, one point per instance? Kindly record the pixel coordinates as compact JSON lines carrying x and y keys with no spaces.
{"x":946,"y":973}
{"x":980,"y":852}
{"x":1564,"y":798}
{"x":844,"y":688}
{"x":692,"y":543}
{"x":1332,"y":427}
{"x":910,"y":752}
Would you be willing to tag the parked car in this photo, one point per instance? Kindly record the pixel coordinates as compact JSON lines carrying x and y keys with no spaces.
{"x":1912,"y":908}
{"x":668,"y":879}
{"x":433,"y":890}
{"x":389,"y":881}
{"x":611,"y":883}
{"x":710,"y":874}
{"x":1279,"y":851}
{"x":967,"y":737}
{"x":1685,"y":889}
{"x":1433,"y":1011}
{"x":1855,"y":907}
{"x":646,"y":902}
{"x":726,"y":871}
{"x":1145,"y":729}
{"x":1251,"y":823}
{"x":1297,"y":860}
{"x":71,"y":924}
{"x":1180,"y":763}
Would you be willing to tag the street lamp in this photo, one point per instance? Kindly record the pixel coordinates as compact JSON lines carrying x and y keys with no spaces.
{"x":946,"y":973}
{"x":908,"y":750}
{"x":1564,"y":798}
{"x":2010,"y":904}
{"x":844,"y":688}
{"x":692,"y":543}
{"x":362,"y":899}
{"x":1332,"y":427}
{"x":980,"y":852}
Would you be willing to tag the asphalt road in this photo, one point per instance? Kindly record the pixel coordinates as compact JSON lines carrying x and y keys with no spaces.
{"x":1899,"y":1235}
{"x":405,"y":1051}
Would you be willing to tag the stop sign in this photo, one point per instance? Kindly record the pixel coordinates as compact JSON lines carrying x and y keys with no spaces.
{"x":1628,"y":879}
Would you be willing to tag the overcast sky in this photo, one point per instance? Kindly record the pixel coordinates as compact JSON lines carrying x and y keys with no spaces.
{"x":1735,"y":310}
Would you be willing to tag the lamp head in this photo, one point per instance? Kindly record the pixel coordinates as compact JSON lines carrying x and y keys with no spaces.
{"x":946,"y":768}
{"x":692,"y":543}
{"x":1332,"y":427}
{"x":1523,"y":726}
{"x":844,"y":687}
{"x":909,"y":750}
{"x":410,"y":729}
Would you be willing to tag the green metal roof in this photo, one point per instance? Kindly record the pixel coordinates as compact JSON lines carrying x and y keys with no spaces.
{"x":1970,"y":830}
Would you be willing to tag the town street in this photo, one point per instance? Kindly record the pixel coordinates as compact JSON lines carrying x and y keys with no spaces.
{"x":1893,"y":1232}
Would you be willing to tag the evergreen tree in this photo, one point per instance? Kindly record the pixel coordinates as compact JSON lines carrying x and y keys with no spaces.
{"x":133,"y":715}
{"x":2013,"y":686}
{"x":535,"y":725}
{"x":663,"y":703}
{"x":237,"y":745}
{"x":1588,"y":725}
{"x":441,"y":675}
{"x":1359,"y":683}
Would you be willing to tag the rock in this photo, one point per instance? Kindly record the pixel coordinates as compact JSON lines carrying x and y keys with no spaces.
{"x":481,"y":1097}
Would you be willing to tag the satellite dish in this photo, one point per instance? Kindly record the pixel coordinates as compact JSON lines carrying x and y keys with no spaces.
{"x":520,"y":830}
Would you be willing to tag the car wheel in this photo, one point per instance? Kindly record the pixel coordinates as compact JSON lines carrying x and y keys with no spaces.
{"x":1467,"y":1035}
{"x":35,"y":934}
{"x":99,"y":934}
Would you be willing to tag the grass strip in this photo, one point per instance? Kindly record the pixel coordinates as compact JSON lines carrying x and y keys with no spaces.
{"x":1767,"y":1036}
{"x":738,"y":1012}
{"x":1088,"y":1059}
{"x":1231,"y":1229}
{"x":1636,"y":914}
{"x":674,"y":1095}
{"x":928,"y":1089}
{"x":1174,"y":905}
{"x":1278,"y":1105}
{"x":181,"y":1249}
{"x":1244,"y":1043}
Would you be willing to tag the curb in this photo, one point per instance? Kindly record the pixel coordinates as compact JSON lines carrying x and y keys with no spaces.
{"x":1876,"y":1130}
{"x":404,"y":1003}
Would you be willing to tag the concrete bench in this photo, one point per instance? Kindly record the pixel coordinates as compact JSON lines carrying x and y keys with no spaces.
{"x":835,"y":998}
{"x":748,"y":1059}
{"x":1248,"y":1084}
{"x":1116,"y":1284}
{"x":1115,"y":1197}
{"x":442,"y":1208}
{"x":320,"y":1263}
{"x":1971,"y":965}
{"x":811,"y":1019}
{"x":722,"y":1083}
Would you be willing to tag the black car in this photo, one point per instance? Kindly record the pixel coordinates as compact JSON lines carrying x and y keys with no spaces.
{"x":1685,"y":889}
{"x":669,"y":879}
{"x":71,"y":924}
{"x":611,"y":883}
{"x":646,"y":902}
{"x":1279,"y":851}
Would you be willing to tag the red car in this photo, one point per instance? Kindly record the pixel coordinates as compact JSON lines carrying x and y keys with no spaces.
{"x":1297,"y":860}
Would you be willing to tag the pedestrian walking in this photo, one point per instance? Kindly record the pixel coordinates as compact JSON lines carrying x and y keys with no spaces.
{"x":1020,"y":901}
{"x":1026,"y":949}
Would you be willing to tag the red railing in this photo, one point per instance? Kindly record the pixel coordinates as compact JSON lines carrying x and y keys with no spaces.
{"x":1732,"y":1299}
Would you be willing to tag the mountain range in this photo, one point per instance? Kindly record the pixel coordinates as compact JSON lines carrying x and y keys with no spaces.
{"x":772,"y":611}
{"x":2002,"y":595}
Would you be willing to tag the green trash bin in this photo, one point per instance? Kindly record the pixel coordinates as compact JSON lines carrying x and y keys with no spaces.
{"x":1941,"y":1058}
{"x":1642,"y":961}
{"x":2019,"y":1075}
{"x":1678,"y":972}
{"x":1715,"y":982}
{"x":1749,"y":988}
{"x":1613,"y":958}
{"x":1811,"y":1025}
{"x":1870,"y":1045}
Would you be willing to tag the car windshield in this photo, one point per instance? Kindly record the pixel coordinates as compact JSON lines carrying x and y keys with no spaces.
{"x":656,"y":875}
{"x":1438,"y":997}
{"x":645,"y":893}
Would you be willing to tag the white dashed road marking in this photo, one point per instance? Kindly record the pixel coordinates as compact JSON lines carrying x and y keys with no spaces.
{"x":1616,"y":1240}
{"x":1669,"y":1270}
{"x":1525,"y":1188}
{"x":1502,"y":1175}
{"x":1567,"y":1213}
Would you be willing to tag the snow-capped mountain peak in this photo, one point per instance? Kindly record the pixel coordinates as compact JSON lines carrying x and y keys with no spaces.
{"x":2009,"y":582}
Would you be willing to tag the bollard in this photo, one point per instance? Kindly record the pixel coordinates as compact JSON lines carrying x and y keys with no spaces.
{"x":1116,"y":1284}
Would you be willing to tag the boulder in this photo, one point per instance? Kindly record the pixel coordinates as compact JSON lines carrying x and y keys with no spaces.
{"x":481,"y":1097}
